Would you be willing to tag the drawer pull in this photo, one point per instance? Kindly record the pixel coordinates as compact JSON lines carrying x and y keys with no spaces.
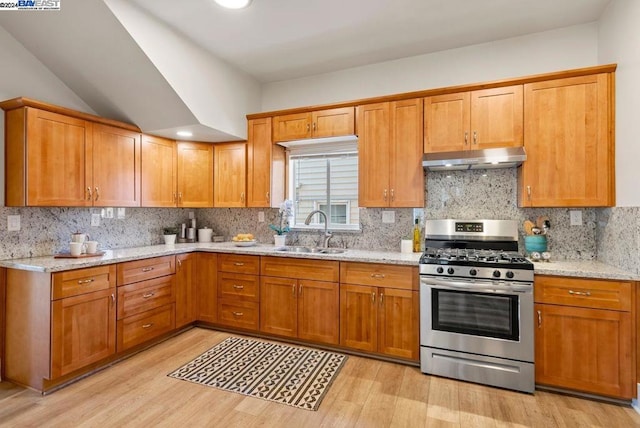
{"x":147,"y":295}
{"x":85,"y":281}
{"x":238,"y":264}
{"x":539,"y":319}
{"x":377,"y":275}
{"x":580,"y":293}
{"x":237,"y":314}
{"x":381,"y":299}
{"x":147,"y":325}
{"x":373,"y":297}
{"x":238,"y":287}
{"x":147,"y":269}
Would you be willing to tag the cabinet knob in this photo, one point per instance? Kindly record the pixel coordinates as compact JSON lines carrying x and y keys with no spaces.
{"x":475,"y":137}
{"x":147,"y":269}
{"x":89,"y":194}
{"x":237,"y":314}
{"x":377,"y":275}
{"x":373,"y":297}
{"x":148,"y":295}
{"x":466,"y":138}
{"x":97,"y":193}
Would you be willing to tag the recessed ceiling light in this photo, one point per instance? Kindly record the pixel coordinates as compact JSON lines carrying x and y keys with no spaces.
{"x":233,"y":4}
{"x":184,"y":133}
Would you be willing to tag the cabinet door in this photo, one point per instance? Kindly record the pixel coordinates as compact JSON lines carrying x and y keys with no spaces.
{"x":568,"y":125}
{"x":333,"y":122}
{"x":195,"y":175}
{"x":398,"y":330}
{"x":359,"y":317}
{"x":159,"y":172}
{"x":406,"y":174}
{"x":584,"y":349}
{"x":373,"y":155}
{"x":278,"y":306}
{"x":446,"y":122}
{"x":83,"y":331}
{"x":207,"y":289}
{"x":116,"y":167}
{"x":58,"y":170}
{"x":230,"y":175}
{"x":319,"y":311}
{"x":265,"y":166}
{"x":292,"y":127}
{"x":185,"y":289}
{"x":496,"y":117}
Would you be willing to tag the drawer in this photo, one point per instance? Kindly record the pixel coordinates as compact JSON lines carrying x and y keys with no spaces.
{"x":139,"y":270}
{"x":583,"y":292}
{"x":379,"y":275}
{"x":286,"y":267}
{"x":239,"y":314}
{"x":81,"y":281}
{"x":142,"y":296}
{"x":139,"y":328}
{"x":238,"y":286}
{"x":238,"y":263}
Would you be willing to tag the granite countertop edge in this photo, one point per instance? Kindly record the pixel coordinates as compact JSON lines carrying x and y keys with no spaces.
{"x":575,"y":268}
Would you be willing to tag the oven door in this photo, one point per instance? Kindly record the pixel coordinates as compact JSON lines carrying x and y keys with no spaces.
{"x":477,"y":316}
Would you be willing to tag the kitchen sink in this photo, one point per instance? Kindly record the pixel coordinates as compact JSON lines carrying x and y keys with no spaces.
{"x":317,"y":250}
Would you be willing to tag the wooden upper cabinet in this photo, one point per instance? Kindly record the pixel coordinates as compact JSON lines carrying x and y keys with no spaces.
{"x":322,"y":123}
{"x":390,"y":154}
{"x":265,"y":166}
{"x":482,"y":119}
{"x":159,"y":165}
{"x":195,"y":175}
{"x":569,"y":143}
{"x":116,"y":167}
{"x":230,"y":174}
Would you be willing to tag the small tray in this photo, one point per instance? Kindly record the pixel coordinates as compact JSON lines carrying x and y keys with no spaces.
{"x":81,"y":256}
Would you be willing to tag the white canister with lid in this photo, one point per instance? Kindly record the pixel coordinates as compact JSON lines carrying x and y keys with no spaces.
{"x":205,"y":234}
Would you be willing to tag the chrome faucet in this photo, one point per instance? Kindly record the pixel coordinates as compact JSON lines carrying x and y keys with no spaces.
{"x":327,"y":234}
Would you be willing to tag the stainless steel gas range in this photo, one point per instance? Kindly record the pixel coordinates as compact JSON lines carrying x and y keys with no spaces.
{"x":476,"y":304}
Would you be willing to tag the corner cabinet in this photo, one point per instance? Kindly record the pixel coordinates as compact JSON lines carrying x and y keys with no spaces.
{"x":316,"y":124}
{"x":585,"y":335}
{"x":265,"y":166}
{"x":159,"y":165}
{"x":569,"y":143}
{"x":483,"y":119}
{"x":195,"y":175}
{"x":390,"y":154}
{"x":230,"y":175}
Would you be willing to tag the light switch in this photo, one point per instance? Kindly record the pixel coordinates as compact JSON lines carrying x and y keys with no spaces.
{"x":260,"y":216}
{"x":95,"y":220}
{"x":120,"y":213}
{"x":388,"y":216}
{"x":13,"y":223}
{"x":575,"y":217}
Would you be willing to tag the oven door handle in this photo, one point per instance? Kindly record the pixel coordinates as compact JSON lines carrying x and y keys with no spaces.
{"x":476,"y":285}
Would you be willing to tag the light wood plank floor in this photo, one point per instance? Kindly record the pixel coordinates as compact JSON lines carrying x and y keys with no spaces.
{"x":366,"y":393}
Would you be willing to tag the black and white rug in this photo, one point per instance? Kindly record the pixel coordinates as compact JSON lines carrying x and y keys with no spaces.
{"x":284,"y":374}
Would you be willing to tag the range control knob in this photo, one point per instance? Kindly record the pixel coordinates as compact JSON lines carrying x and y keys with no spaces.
{"x":473,"y":272}
{"x":496,"y":274}
{"x":439,"y":269}
{"x":450,"y":271}
{"x":510,"y":274}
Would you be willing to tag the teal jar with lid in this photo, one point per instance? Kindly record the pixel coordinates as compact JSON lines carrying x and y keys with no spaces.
{"x":536,"y":243}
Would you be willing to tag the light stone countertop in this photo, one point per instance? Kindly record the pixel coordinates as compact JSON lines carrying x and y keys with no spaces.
{"x":576,"y":268}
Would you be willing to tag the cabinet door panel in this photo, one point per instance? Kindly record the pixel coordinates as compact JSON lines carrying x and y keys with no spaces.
{"x":359,"y":317}
{"x":207,"y":287}
{"x":116,"y":167}
{"x":333,"y":122}
{"x":278,"y":306}
{"x":446,"y":122}
{"x":319,"y":311}
{"x":265,"y":166}
{"x":398,"y":328}
{"x":496,"y":117}
{"x":585,"y":349}
{"x":373,"y":155}
{"x":143,"y":296}
{"x":185,"y":289}
{"x":83,"y":331}
{"x":159,"y":172}
{"x":195,"y":175}
{"x":292,"y":127}
{"x":145,"y":326}
{"x":58,"y":170}
{"x":568,"y":142}
{"x":230,"y":175}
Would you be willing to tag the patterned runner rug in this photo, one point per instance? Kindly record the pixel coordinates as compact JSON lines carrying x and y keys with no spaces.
{"x":284,"y":374}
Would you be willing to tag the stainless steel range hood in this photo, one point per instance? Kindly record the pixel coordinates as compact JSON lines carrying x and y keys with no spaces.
{"x":509,"y":157}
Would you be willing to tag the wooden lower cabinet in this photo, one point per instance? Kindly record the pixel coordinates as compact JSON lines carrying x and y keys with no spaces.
{"x":583,"y":344}
{"x":145,"y":326}
{"x":238,"y":291}
{"x":206,"y":287}
{"x":186,"y":304}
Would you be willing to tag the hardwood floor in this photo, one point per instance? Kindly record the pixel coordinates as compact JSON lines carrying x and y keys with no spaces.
{"x":367,"y":393}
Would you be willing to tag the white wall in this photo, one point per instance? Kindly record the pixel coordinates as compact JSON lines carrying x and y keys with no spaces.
{"x":619,"y":42}
{"x":22,"y":75}
{"x":566,"y":48}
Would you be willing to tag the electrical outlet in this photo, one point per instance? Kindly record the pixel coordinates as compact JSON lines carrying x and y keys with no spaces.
{"x":575,"y":217}
{"x":13,"y":223}
{"x":260,"y":216}
{"x":107,"y":213}
{"x":120,"y":213}
{"x":388,"y":216}
{"x":191,"y":215}
{"x":95,"y":219}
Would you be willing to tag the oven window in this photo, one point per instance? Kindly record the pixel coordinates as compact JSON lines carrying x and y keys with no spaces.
{"x":478,"y":314}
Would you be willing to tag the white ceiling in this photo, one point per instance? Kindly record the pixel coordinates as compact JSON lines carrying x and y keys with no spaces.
{"x":276,"y":40}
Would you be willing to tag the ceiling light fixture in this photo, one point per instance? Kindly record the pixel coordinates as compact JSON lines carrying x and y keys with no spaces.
{"x":233,"y":4}
{"x":184,"y":133}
